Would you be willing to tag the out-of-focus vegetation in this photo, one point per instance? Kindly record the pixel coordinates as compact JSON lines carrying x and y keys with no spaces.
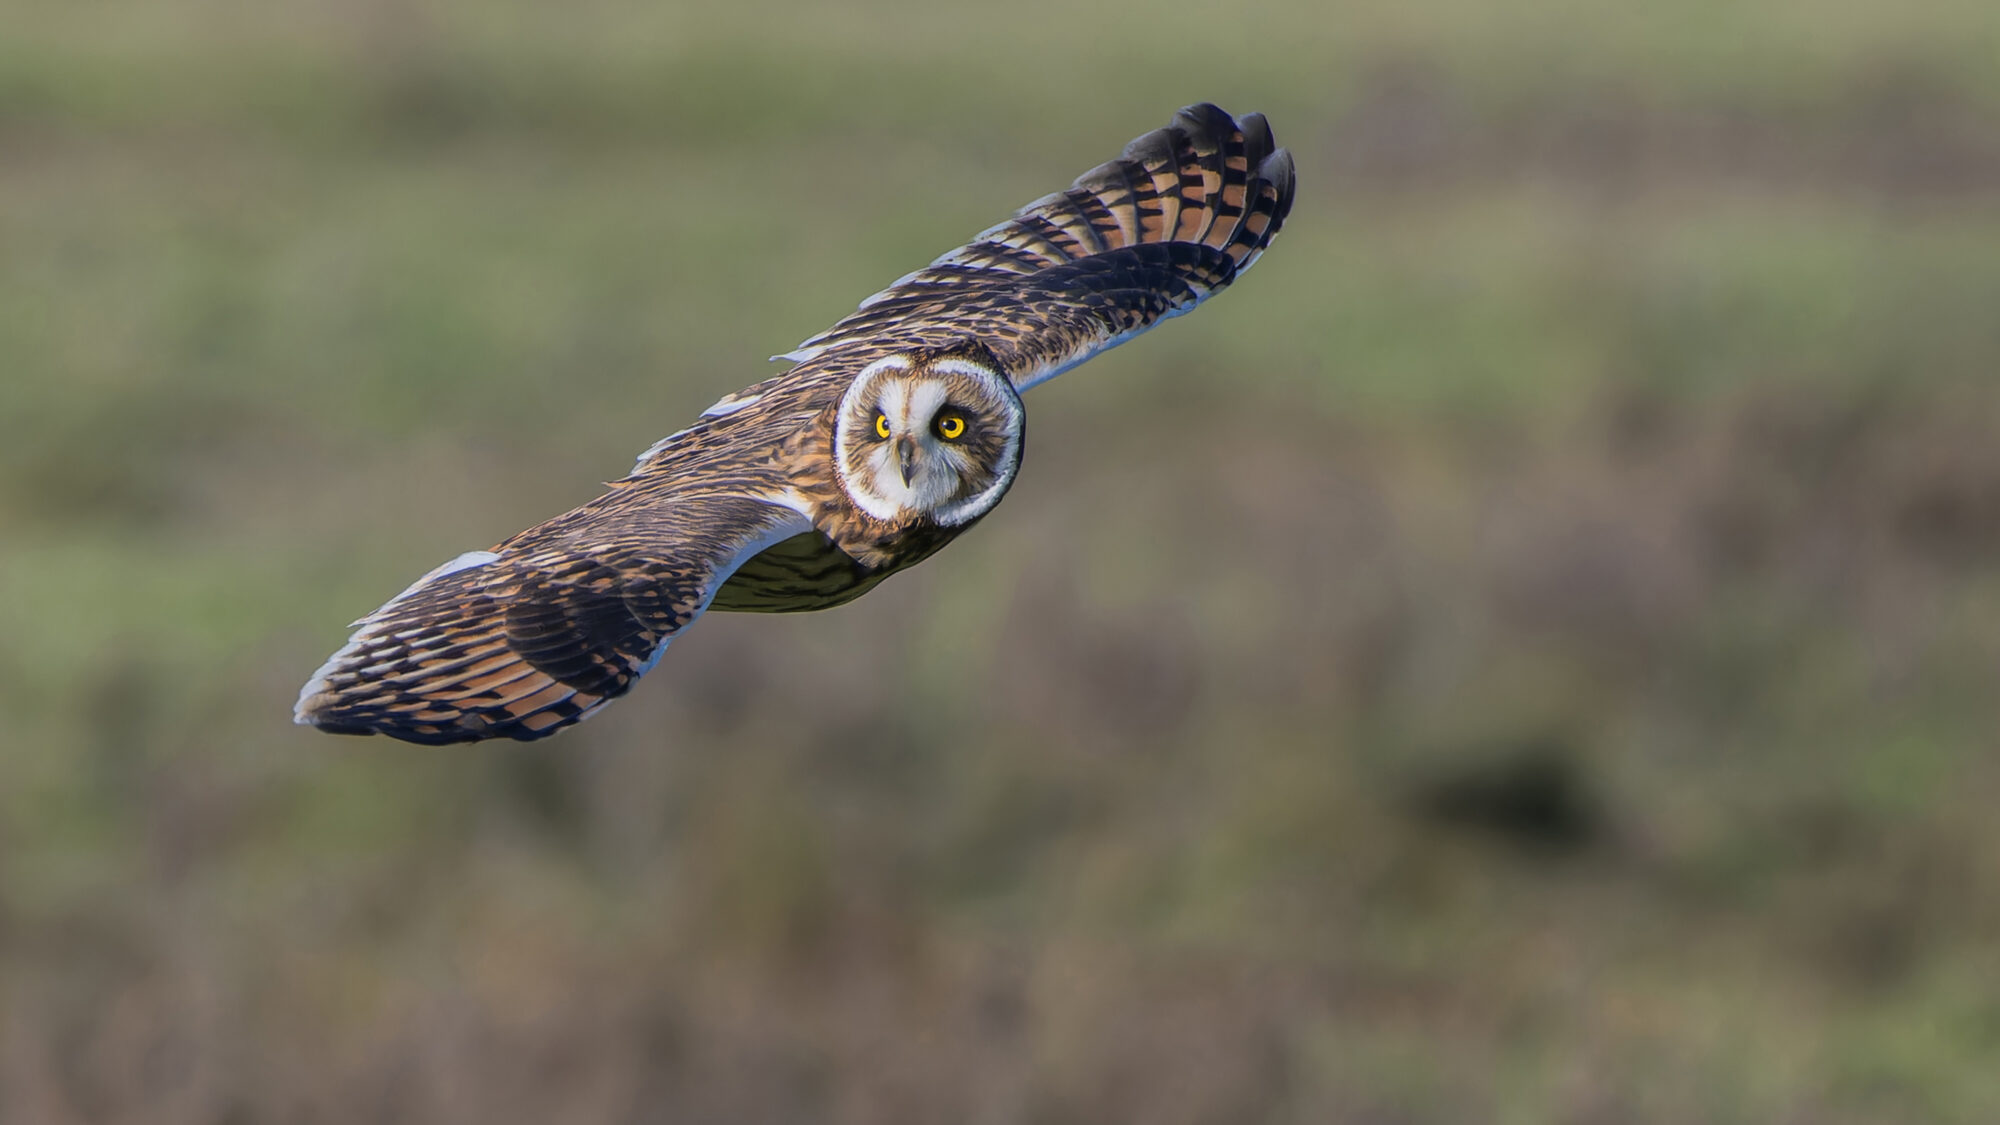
{"x":1528,"y":653}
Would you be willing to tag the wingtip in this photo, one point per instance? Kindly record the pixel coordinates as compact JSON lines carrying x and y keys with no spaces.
{"x":1256,"y":136}
{"x":311,"y":711}
{"x":1204,"y":118}
{"x":1282,"y":173}
{"x":316,"y":705}
{"x":313,"y":697}
{"x":334,"y":726}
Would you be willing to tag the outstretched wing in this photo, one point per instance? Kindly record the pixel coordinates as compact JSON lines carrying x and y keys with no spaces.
{"x":538,"y":633}
{"x":1148,"y":236}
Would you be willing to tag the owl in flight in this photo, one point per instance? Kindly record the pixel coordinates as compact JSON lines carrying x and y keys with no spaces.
{"x":898,"y":428}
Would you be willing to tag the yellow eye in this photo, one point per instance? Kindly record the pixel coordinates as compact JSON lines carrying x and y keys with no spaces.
{"x":881,"y":425}
{"x":950,"y":427}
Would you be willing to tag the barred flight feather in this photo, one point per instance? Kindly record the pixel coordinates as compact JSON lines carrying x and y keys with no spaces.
{"x":1176,"y":218}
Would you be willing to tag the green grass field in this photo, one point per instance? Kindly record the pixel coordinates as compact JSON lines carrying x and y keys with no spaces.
{"x":1527,"y":653}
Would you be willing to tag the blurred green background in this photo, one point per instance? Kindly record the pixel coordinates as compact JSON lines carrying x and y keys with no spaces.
{"x":1526,"y":654}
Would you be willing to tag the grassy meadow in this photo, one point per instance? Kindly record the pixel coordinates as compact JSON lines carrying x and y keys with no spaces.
{"x":1530,"y":652}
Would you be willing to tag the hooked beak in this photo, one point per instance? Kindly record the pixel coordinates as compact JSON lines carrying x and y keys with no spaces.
{"x":906,"y":456}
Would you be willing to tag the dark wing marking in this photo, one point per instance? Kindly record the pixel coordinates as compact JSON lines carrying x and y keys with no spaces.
{"x":1145,"y":237}
{"x":537,"y":634}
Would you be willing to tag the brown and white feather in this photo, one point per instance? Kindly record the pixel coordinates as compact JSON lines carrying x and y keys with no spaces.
{"x":747,"y":510}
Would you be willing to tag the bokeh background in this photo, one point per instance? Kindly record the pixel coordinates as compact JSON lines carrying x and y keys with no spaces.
{"x":1527,"y":653}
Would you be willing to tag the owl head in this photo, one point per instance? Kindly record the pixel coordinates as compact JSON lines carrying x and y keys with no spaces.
{"x":929,"y":433}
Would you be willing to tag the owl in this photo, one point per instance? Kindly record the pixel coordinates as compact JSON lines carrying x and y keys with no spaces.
{"x":893,"y":432}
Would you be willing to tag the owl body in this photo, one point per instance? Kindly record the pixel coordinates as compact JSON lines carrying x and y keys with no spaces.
{"x":853,"y":545}
{"x":897,"y":429}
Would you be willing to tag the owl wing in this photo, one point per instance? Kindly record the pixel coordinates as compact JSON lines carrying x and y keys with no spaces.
{"x":538,"y":633}
{"x":1148,"y":236}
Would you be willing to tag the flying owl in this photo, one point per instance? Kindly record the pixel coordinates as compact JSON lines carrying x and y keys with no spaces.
{"x":897,"y":429}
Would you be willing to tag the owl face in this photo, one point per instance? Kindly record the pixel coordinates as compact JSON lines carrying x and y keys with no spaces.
{"x":935,"y":435}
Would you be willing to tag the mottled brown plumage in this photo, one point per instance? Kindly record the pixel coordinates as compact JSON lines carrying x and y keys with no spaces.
{"x":898,"y":428}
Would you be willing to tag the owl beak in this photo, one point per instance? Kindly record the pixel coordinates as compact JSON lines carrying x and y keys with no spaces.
{"x":906,"y":456}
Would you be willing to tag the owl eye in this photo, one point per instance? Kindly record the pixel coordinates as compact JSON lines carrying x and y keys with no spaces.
{"x":950,"y":426}
{"x":881,"y":425}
